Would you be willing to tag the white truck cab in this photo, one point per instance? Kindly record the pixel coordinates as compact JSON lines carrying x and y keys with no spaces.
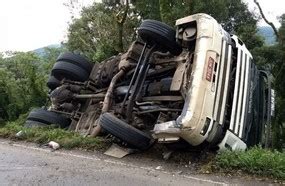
{"x":219,"y":103}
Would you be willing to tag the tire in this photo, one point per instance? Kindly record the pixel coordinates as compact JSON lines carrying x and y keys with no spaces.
{"x":69,"y":71}
{"x":52,"y":83}
{"x":48,"y":118}
{"x":76,"y":60}
{"x":215,"y":135}
{"x":120,"y":129}
{"x":155,"y":31}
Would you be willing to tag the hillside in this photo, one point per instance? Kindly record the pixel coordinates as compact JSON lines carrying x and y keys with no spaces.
{"x":268,"y":34}
{"x":41,"y":51}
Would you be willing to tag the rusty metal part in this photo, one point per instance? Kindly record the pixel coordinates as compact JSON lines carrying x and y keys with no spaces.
{"x":125,"y":63}
{"x":139,"y":81}
{"x":64,"y":93}
{"x":163,"y":98}
{"x":130,"y":59}
{"x":187,"y":78}
{"x":178,"y":77}
{"x":107,"y":101}
{"x":90,"y":85}
{"x":142,"y":83}
{"x":172,"y":60}
{"x":134,"y":51}
{"x":159,"y":110}
{"x":66,"y":81}
{"x":88,"y":96}
{"x":87,"y":120}
{"x":75,"y":118}
{"x":144,"y":103}
{"x":102,"y":74}
{"x":69,"y":107}
{"x":60,"y":112}
{"x":149,"y":107}
{"x":162,"y":117}
{"x":159,"y":72}
{"x":96,"y":130}
{"x":109,"y":94}
{"x":60,"y":95}
{"x":134,"y":76}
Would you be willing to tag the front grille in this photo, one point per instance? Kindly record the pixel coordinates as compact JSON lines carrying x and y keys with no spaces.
{"x":222,"y":82}
{"x":241,"y":94}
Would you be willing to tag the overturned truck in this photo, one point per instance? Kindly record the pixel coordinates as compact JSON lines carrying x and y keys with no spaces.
{"x":196,"y":84}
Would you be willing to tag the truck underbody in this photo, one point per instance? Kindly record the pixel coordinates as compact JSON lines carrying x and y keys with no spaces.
{"x":169,"y":86}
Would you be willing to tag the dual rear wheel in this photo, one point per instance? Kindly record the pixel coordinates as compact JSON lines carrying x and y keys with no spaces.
{"x":69,"y":66}
{"x":42,"y":118}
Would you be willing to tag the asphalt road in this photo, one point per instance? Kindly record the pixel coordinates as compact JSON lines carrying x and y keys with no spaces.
{"x":26,"y":164}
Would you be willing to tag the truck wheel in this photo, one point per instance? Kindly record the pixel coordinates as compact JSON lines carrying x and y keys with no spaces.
{"x":215,"y":135}
{"x":76,"y":60}
{"x":69,"y":71}
{"x":52,"y":83}
{"x":48,"y":118}
{"x":120,"y":129}
{"x":160,"y":33}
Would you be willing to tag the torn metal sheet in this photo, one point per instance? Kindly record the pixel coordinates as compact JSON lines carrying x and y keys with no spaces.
{"x":118,"y":152}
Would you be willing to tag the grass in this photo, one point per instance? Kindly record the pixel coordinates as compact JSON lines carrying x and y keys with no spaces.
{"x":255,"y":161}
{"x":66,"y":139}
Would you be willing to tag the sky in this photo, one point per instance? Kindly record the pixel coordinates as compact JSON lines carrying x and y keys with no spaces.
{"x":271,"y":8}
{"x":30,"y":24}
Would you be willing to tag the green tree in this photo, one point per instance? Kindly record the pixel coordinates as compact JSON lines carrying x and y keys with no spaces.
{"x":272,"y":58}
{"x":23,"y":78}
{"x":148,"y":9}
{"x":22,"y":84}
{"x":103,"y":30}
{"x":279,"y":81}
